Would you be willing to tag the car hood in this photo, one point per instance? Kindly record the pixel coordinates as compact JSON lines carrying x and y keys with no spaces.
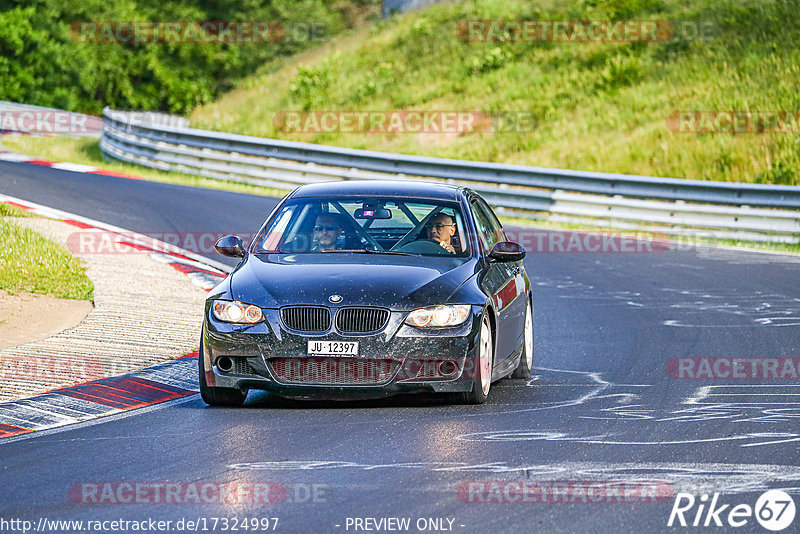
{"x":397,"y":282}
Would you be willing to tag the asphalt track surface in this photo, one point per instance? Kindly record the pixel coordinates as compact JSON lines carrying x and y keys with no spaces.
{"x":601,"y":405}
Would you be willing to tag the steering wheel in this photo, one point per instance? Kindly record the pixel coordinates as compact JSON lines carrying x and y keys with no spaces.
{"x":423,"y":246}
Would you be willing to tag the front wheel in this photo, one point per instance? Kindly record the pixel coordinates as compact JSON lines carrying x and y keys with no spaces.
{"x":482,"y":380}
{"x":523,"y":370}
{"x":214,"y":396}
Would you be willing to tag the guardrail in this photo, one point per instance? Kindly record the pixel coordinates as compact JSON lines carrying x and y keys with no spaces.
{"x":753,"y":212}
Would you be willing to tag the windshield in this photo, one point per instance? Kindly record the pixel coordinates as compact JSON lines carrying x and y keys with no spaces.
{"x":366,"y":225}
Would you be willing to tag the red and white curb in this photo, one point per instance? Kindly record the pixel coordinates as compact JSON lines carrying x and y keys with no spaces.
{"x":108,"y":396}
{"x":16,"y":157}
{"x":100,"y":398}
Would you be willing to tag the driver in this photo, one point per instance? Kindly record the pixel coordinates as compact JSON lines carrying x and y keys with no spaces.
{"x":326,"y":231}
{"x":441,"y":229}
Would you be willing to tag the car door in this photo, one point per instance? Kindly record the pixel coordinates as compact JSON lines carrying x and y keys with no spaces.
{"x":503,"y":282}
{"x":515,"y":289}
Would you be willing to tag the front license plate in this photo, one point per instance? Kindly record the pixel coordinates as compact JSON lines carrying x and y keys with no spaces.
{"x":333,"y":348}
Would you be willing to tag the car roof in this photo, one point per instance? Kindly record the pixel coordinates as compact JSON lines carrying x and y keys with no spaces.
{"x":384,"y":188}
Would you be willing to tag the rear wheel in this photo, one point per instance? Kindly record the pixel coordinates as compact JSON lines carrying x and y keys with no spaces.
{"x":214,"y":396}
{"x":523,"y":370}
{"x":484,"y":359}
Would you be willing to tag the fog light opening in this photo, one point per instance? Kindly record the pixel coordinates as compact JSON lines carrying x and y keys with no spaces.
{"x":224,"y":364}
{"x":448,"y":368}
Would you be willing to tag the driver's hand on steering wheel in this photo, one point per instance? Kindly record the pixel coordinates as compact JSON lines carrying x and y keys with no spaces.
{"x":448,"y":247}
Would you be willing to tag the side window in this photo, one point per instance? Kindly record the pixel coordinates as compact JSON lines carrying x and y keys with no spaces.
{"x":273,"y":235}
{"x":489,"y":231}
{"x":498,"y":228}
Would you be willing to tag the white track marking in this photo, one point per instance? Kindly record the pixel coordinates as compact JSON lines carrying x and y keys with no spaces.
{"x":73,"y":167}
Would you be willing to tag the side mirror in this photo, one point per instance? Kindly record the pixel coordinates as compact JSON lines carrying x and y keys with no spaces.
{"x":507,"y":251}
{"x":231,"y":245}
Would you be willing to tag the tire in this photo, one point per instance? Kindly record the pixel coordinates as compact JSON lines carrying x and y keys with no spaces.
{"x":484,"y":361}
{"x":523,"y":370}
{"x":217,"y":396}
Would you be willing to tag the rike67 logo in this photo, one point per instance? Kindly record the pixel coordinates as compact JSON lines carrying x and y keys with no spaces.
{"x":774,"y":510}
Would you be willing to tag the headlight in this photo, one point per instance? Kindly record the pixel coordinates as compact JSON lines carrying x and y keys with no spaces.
{"x":437,"y":316}
{"x":236,"y":312}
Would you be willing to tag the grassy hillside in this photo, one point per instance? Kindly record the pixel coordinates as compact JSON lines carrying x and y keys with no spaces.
{"x":597,"y":106}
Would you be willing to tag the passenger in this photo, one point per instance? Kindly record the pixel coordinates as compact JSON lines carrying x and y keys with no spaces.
{"x":326,"y":233}
{"x":441,"y":229}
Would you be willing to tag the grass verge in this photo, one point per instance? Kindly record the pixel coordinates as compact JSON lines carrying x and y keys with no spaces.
{"x":30,"y":262}
{"x":7,"y":210}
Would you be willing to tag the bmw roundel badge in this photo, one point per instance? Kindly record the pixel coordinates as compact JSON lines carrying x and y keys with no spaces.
{"x":335,"y":299}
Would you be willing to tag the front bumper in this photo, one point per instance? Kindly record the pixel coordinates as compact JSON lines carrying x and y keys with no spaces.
{"x":398,"y":359}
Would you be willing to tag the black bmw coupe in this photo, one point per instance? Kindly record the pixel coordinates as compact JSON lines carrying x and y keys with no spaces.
{"x":364,"y":289}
